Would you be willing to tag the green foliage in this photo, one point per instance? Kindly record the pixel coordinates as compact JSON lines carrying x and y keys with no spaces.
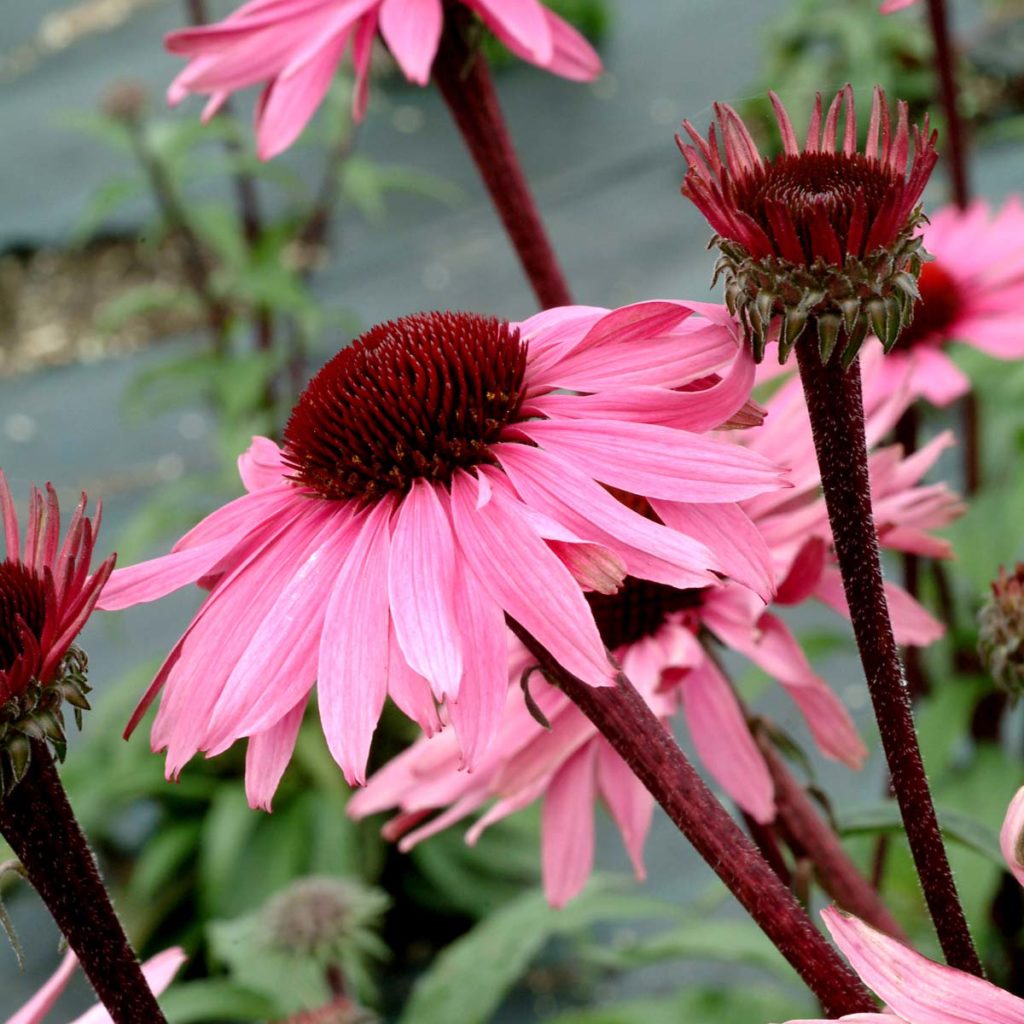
{"x":470,"y":978}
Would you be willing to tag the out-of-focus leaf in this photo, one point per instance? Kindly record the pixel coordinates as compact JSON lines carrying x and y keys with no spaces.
{"x":163,"y":856}
{"x":108,"y":130}
{"x":143,"y":299}
{"x":743,"y":1004}
{"x":956,"y":825}
{"x":365,"y":184}
{"x":106,"y":200}
{"x":736,"y":942}
{"x":215,"y":999}
{"x":469,"y":979}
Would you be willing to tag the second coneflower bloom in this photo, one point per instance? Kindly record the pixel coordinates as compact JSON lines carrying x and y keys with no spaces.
{"x":820,"y":238}
{"x":435,"y":478}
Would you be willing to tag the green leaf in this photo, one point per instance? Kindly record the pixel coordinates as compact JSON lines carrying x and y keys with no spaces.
{"x":470,"y":978}
{"x":199,"y":1002}
{"x":735,"y":942}
{"x":143,"y":299}
{"x":955,"y":825}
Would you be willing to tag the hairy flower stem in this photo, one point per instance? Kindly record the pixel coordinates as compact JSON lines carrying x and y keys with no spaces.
{"x":632,"y":728}
{"x":836,"y":410}
{"x":38,"y":823}
{"x":945,"y":65}
{"x":807,"y":833}
{"x":464,"y":79}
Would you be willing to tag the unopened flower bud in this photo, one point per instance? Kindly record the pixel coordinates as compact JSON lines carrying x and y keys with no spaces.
{"x":1001,"y":631}
{"x":125,"y":101}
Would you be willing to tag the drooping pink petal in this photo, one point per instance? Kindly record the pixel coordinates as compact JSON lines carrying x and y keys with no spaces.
{"x":421,"y":583}
{"x":520,"y":20}
{"x":260,"y":465}
{"x":517,"y":570}
{"x":573,"y":57}
{"x":1011,"y":836}
{"x":722,"y":737}
{"x":567,"y":828}
{"x":268,"y":755}
{"x":412,"y":30}
{"x":628,"y":801}
{"x":915,"y":988}
{"x":410,"y":691}
{"x":476,"y":710}
{"x":353,"y":680}
{"x":292,"y":99}
{"x":36,"y":1009}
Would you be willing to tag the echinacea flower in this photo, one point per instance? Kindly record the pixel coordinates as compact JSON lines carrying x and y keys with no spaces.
{"x":158,"y":972}
{"x":971,"y":292}
{"x":916,"y":990}
{"x":890,"y":6}
{"x":821,"y":237}
{"x":659,"y":636}
{"x":46,"y":595}
{"x":435,"y":477}
{"x":294,"y":46}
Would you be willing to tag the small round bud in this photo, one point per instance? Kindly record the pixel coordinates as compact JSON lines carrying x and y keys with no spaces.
{"x":1001,"y":631}
{"x":125,"y":101}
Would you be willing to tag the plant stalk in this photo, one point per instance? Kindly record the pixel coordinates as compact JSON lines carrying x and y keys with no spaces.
{"x":39,"y":824}
{"x":836,"y":409}
{"x":462,"y":75}
{"x":945,"y":66}
{"x":632,"y":728}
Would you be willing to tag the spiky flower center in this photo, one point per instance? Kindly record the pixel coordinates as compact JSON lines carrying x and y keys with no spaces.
{"x":1001,"y":631}
{"x":839,"y":189}
{"x":413,"y":398}
{"x":638,"y":610}
{"x":22,"y":597}
{"x":937,"y":308}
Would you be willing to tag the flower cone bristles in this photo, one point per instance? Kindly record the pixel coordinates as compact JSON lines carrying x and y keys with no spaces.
{"x":821,"y":237}
{"x":1001,"y":632}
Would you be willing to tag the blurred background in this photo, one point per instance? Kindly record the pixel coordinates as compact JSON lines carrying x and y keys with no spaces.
{"x":164,"y":296}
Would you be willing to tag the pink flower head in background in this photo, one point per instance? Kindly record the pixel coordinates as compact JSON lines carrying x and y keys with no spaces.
{"x":896,"y":5}
{"x":294,"y":47}
{"x":46,"y":589}
{"x":916,"y":990}
{"x":158,"y":972}
{"x":657,"y":634}
{"x":971,"y":292}
{"x":435,"y":477}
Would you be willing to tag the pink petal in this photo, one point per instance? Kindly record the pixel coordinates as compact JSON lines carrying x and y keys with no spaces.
{"x":657,"y":462}
{"x":267,"y":757}
{"x":421,"y":575}
{"x":937,"y":377}
{"x":410,"y":691}
{"x":804,"y":572}
{"x":45,"y":999}
{"x":353,"y":678}
{"x":515,"y":567}
{"x":649,"y":550}
{"x":628,"y":801}
{"x":261,"y":465}
{"x":520,"y":20}
{"x":737,"y":547}
{"x":567,"y":828}
{"x":412,"y":30}
{"x":573,"y":57}
{"x":477,"y":710}
{"x":1011,"y":836}
{"x":159,"y":972}
{"x":722,"y":737}
{"x":292,"y":99}
{"x":915,"y":988}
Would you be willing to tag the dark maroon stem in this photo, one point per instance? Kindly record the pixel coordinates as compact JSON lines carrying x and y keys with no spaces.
{"x":837,"y":419}
{"x":632,"y":728}
{"x":972,"y":444}
{"x":464,"y":79}
{"x":945,"y":65}
{"x":807,"y":833}
{"x":38,"y":823}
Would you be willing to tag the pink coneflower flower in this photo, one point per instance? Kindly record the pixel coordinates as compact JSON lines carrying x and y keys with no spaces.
{"x":891,"y":6}
{"x":435,"y":478}
{"x":294,"y":46}
{"x":159,"y":971}
{"x":971,"y":292}
{"x":657,"y":633}
{"x":820,"y":237}
{"x":916,"y":990}
{"x":46,"y":596}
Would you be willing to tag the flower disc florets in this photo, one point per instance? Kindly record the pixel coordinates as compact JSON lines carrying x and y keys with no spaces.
{"x":418,"y":397}
{"x":46,"y":595}
{"x":822,"y":236}
{"x":1001,"y":631}
{"x":638,"y":610}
